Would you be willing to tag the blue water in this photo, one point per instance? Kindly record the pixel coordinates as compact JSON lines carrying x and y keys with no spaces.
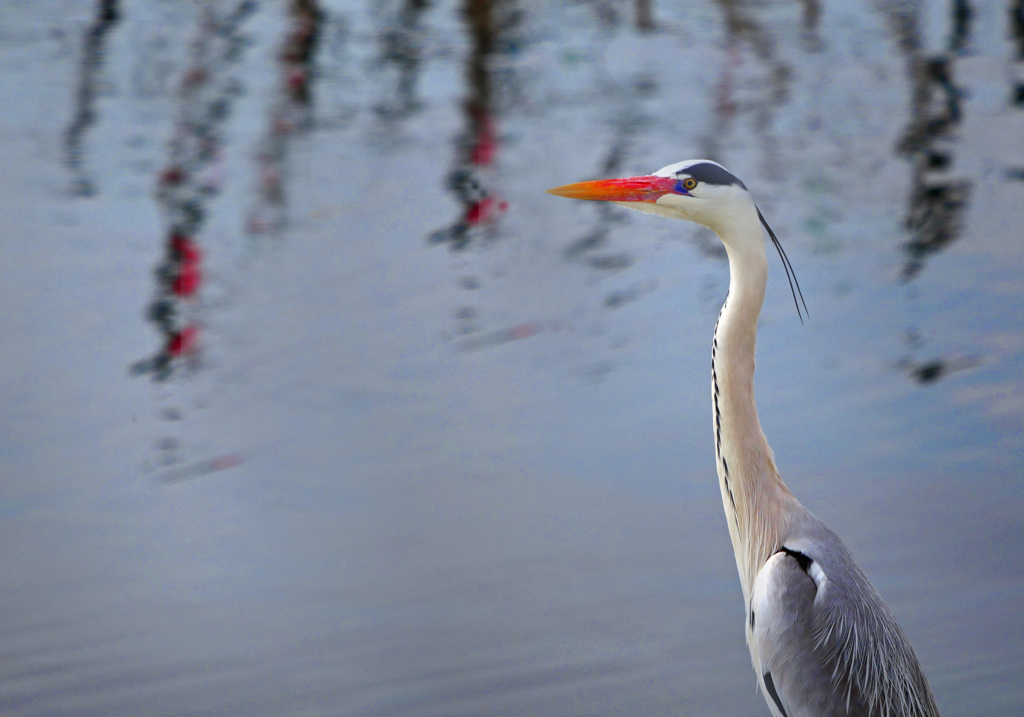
{"x":443,"y":443}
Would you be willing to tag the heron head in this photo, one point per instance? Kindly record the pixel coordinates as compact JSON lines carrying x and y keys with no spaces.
{"x":697,"y":190}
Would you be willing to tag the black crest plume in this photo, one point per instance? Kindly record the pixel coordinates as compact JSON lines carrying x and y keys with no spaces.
{"x":794,"y":285}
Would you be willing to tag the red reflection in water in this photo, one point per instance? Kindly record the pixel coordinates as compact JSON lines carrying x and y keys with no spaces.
{"x":471,"y":178}
{"x":195,"y":170}
{"x":194,"y":173}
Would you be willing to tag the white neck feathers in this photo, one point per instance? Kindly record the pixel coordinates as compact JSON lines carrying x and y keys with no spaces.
{"x":751,"y":487}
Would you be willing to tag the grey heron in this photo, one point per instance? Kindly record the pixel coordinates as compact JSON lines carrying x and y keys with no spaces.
{"x":822,"y":641}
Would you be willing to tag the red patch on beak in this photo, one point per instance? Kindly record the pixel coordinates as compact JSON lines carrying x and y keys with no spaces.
{"x":627,"y":189}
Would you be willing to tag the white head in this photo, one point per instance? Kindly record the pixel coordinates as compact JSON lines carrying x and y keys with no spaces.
{"x":697,"y":190}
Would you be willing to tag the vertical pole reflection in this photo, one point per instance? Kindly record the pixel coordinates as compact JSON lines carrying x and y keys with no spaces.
{"x":960,"y":32}
{"x":742,"y":28}
{"x":645,"y":15}
{"x":745,"y":36}
{"x":1017,"y":38}
{"x":193,"y":174}
{"x":291,"y":111}
{"x":85,"y":96}
{"x":401,"y":52}
{"x":938,"y":198}
{"x":196,"y":171}
{"x":490,"y":24}
{"x":1016,"y":23}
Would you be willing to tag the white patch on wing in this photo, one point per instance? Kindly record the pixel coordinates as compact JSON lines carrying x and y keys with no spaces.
{"x":771,"y":636}
{"x":764,"y":604}
{"x":817,"y":575}
{"x":761,"y":599}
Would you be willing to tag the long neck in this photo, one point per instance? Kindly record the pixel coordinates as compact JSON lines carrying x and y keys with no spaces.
{"x":753,"y":494}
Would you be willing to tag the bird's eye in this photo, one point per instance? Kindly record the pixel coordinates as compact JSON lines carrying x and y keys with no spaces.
{"x":689,"y":183}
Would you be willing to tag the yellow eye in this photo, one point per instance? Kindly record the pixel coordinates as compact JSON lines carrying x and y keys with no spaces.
{"x":689,"y":183}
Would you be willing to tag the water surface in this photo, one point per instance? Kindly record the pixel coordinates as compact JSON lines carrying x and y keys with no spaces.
{"x":315,"y":403}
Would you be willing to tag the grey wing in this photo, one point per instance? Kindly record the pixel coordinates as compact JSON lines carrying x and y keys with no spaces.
{"x":824,"y":643}
{"x":785,"y":618}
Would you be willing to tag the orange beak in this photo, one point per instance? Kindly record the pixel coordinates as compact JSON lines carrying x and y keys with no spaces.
{"x":628,"y":189}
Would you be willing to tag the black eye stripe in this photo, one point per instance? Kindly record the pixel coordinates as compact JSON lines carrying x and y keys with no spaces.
{"x":711,"y":174}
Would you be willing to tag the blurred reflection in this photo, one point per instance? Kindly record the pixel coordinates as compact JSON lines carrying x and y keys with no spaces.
{"x":197,"y":469}
{"x":608,"y":15}
{"x":492,"y":25}
{"x":501,"y":336}
{"x":400,"y":56}
{"x":299,"y":49}
{"x":959,"y":38}
{"x":193,"y":174}
{"x":742,"y":29}
{"x":629,"y":121}
{"x":930,"y":371}
{"x":812,"y":14}
{"x":85,"y":99}
{"x":645,"y":15}
{"x":290,"y":112}
{"x":938,"y":199}
{"x":1017,"y":37}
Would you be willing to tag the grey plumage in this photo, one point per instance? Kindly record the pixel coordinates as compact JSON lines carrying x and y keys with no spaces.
{"x":831,"y":645}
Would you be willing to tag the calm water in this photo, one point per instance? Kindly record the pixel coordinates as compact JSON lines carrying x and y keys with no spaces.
{"x":315,"y":403}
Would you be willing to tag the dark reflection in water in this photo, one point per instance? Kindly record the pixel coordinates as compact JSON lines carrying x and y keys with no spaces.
{"x":629,"y":120}
{"x":959,"y":36}
{"x":298,"y":55}
{"x":931,"y":371}
{"x":290,"y":113}
{"x":191,"y":178}
{"x":90,"y":67}
{"x":492,"y":26}
{"x":645,"y":21}
{"x":928,"y":371}
{"x":195,"y":169}
{"x":744,"y":29}
{"x":1017,"y":36}
{"x":1017,"y":85}
{"x":752,"y":50}
{"x":1017,"y":26}
{"x":939,"y":198}
{"x":940,"y":194}
{"x":399,"y":59}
